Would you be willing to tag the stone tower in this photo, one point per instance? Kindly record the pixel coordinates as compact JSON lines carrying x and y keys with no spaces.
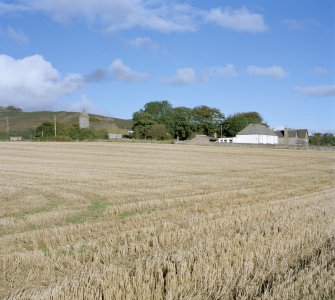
{"x":84,"y":120}
{"x":286,"y":135}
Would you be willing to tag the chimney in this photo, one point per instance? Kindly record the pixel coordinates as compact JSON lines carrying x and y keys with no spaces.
{"x":286,"y":135}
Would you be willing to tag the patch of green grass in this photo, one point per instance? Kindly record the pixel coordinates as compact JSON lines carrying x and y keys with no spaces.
{"x":127,"y":214}
{"x":71,"y":251}
{"x":50,"y":206}
{"x":151,"y":210}
{"x":28,"y":246}
{"x":97,"y":207}
{"x":45,"y":208}
{"x":32,"y":227}
{"x":3,"y":232}
{"x":183,"y":205}
{"x":19,"y":214}
{"x":94,"y":211}
{"x":68,"y":251}
{"x":83,"y":249}
{"x":77,"y":219}
{"x":42,"y":246}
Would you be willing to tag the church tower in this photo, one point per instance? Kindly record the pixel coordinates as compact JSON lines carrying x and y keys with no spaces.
{"x":84,"y":120}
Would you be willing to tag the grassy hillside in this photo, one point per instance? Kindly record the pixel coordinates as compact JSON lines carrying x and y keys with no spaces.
{"x":23,"y":121}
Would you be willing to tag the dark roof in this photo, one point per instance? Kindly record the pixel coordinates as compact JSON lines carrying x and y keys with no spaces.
{"x":279,"y":133}
{"x":302,"y":133}
{"x":292,"y":133}
{"x":256,"y":129}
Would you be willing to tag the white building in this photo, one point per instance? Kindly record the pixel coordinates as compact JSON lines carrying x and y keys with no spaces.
{"x":253,"y":134}
{"x":256,"y":134}
{"x":114,"y":136}
{"x":15,"y":138}
{"x":226,"y":140}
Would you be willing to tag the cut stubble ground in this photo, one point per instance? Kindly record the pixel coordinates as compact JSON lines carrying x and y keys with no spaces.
{"x":154,"y":221}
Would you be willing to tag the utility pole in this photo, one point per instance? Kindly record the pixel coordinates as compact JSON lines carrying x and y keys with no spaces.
{"x":55,"y":125}
{"x":7,"y":128}
{"x":221,"y":130}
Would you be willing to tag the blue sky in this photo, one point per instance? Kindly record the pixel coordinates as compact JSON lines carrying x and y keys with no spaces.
{"x":111,"y":56}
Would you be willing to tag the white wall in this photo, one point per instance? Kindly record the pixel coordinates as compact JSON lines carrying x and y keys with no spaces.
{"x":226,"y":140}
{"x":256,"y":139}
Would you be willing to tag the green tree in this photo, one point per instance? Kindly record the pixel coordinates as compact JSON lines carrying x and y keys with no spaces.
{"x":315,"y":139}
{"x":158,"y":132}
{"x":142,"y":122}
{"x":235,"y":123}
{"x":158,"y":110}
{"x":180,"y":123}
{"x":45,"y":130}
{"x":319,"y":139}
{"x":207,"y":120}
{"x":328,"y":139}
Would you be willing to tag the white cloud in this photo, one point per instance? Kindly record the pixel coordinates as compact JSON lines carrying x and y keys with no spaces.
{"x":17,"y":36}
{"x":33,"y":83}
{"x":227,"y":71}
{"x":275,"y":72}
{"x":294,"y":24}
{"x":188,"y":76}
{"x":159,"y":15}
{"x":241,"y":19}
{"x":146,"y":42}
{"x":321,"y":71}
{"x":184,"y":76}
{"x":122,"y":72}
{"x":114,"y":15}
{"x":12,"y":7}
{"x":326,"y":90}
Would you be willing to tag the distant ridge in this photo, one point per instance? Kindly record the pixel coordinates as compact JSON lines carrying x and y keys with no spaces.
{"x":20,"y":121}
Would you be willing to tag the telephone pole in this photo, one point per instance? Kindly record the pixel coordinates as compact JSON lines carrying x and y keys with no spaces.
{"x":55,"y":125}
{"x":7,"y":128}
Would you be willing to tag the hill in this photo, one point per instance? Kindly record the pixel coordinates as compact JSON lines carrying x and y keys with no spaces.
{"x":20,"y":121}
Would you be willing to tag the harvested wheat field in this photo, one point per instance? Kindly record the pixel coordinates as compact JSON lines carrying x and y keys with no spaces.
{"x":153,"y":221}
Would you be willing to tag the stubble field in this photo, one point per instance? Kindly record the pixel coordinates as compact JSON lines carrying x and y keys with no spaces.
{"x":150,"y":221}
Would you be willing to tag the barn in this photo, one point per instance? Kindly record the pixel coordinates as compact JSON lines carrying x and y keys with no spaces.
{"x":256,"y":134}
{"x":293,"y":136}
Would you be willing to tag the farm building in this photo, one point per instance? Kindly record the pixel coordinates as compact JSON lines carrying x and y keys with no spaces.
{"x":256,"y":134}
{"x":253,"y":134}
{"x":293,"y":136}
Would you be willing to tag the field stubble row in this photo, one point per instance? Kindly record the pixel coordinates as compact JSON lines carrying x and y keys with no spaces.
{"x":142,"y":221}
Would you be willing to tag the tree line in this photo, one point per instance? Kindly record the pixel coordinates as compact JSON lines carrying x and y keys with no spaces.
{"x":67,"y":132}
{"x":325,"y":139}
{"x":160,"y":120}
